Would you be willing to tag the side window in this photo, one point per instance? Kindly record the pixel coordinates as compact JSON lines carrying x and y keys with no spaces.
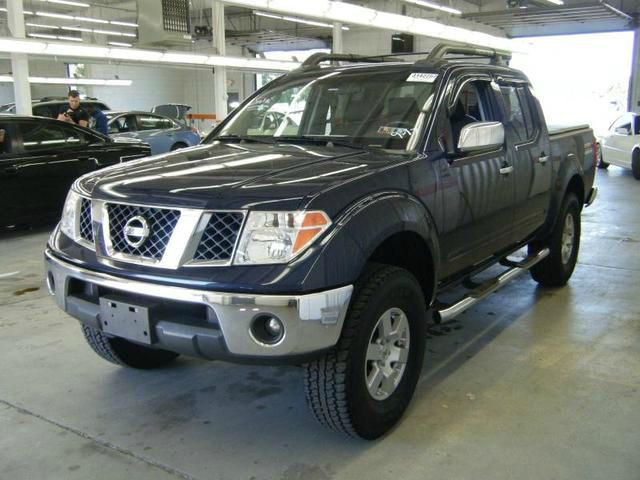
{"x":5,"y":140}
{"x":45,"y":111}
{"x":119,"y":125}
{"x":473,"y":104}
{"x":623,"y":123}
{"x":527,"y":104}
{"x":636,"y":124}
{"x":149,"y":122}
{"x":50,"y":137}
{"x":514,"y":113}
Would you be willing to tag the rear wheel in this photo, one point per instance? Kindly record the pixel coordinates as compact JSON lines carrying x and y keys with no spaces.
{"x":122,"y":352}
{"x":363,"y":386}
{"x":563,"y":243}
{"x":178,"y":146}
{"x":601,"y":163}
{"x":635,"y":164}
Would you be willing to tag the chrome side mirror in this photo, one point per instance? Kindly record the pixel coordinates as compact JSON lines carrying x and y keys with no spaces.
{"x":481,"y":136}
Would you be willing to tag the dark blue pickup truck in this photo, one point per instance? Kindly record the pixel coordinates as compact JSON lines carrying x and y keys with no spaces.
{"x":322,"y":222}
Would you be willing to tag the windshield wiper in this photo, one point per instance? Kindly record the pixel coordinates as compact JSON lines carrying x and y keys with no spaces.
{"x":243,"y":138}
{"x":318,"y":140}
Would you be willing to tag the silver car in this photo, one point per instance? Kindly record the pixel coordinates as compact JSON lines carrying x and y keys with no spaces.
{"x":162,"y":133}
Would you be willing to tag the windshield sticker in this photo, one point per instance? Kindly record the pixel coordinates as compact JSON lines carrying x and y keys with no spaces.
{"x":395,"y":132}
{"x":422,"y":77}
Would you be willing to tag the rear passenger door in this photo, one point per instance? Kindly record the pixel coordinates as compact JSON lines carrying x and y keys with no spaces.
{"x":155,"y":131}
{"x":478,"y":187}
{"x":529,"y":150}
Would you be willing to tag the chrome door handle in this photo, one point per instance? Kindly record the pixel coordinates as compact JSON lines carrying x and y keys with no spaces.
{"x":506,"y":170}
{"x":542,"y":160}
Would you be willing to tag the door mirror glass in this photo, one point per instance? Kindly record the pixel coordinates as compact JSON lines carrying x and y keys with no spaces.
{"x":478,"y":136}
{"x":623,"y":131}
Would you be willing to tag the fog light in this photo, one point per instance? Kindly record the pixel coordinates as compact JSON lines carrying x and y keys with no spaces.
{"x":267,"y":329}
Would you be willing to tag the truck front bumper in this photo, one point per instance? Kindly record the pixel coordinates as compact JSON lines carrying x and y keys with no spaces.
{"x":201,"y":323}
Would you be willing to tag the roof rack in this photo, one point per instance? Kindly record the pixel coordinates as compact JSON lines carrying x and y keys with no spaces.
{"x":498,"y":57}
{"x":314,"y":60}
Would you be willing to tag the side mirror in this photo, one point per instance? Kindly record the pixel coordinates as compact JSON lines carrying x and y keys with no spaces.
{"x":481,"y":136}
{"x":622,"y":131}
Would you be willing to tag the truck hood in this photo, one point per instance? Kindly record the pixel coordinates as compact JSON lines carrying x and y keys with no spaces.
{"x":234,"y":176}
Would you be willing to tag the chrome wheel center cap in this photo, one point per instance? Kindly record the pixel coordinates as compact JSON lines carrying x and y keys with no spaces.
{"x":136,"y":231}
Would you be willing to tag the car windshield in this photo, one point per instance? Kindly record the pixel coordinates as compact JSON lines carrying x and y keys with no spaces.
{"x":363,"y":109}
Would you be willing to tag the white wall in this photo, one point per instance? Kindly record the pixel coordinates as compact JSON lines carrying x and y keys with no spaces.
{"x":37,"y":68}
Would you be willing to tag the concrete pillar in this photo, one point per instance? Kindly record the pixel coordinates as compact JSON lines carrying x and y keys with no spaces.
{"x":220,"y":73}
{"x":19,"y":61}
{"x":634,"y":82}
{"x":337,"y":38}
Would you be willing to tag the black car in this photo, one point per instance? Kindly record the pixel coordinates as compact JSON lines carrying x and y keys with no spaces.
{"x":52,"y":106}
{"x":41,"y":157}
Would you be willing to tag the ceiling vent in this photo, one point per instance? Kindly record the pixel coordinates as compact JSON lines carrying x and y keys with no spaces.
{"x":165,"y":23}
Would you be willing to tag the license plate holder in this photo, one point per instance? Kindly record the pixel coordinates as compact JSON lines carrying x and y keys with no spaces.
{"x":122,"y":318}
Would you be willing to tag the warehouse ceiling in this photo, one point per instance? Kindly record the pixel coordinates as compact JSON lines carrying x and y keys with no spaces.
{"x":252,"y":29}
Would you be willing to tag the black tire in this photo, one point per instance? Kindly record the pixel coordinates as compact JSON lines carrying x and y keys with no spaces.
{"x":178,"y":146}
{"x":635,"y":164}
{"x":554,"y":271}
{"x":122,"y":352}
{"x":601,"y":163}
{"x":335,"y":386}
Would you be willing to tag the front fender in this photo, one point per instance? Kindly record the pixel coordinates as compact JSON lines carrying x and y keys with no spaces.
{"x":365,"y":226}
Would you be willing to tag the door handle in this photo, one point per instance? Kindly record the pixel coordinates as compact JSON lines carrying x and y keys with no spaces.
{"x":543,"y":159}
{"x":506,"y":170}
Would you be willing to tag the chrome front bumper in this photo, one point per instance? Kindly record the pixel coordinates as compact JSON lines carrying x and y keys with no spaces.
{"x":312,"y":322}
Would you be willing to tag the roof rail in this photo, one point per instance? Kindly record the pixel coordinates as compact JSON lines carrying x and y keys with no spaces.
{"x":441,"y":50}
{"x":314,"y":60}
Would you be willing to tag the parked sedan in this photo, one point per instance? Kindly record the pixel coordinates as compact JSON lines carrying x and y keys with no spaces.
{"x":621,"y":144}
{"x":41,"y":157}
{"x":161,"y":133}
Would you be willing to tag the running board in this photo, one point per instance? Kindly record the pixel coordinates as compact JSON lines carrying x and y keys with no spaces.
{"x":490,"y":286}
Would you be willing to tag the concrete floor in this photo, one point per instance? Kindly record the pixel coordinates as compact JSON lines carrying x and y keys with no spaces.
{"x":531,"y":384}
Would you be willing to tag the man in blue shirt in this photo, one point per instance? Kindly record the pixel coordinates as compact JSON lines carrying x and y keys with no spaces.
{"x":98,"y":119}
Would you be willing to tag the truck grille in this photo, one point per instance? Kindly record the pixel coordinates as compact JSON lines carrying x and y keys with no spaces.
{"x":86,"y":227}
{"x":219,"y":237}
{"x":161,"y":223}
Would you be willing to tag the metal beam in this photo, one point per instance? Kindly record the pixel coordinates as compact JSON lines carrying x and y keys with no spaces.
{"x":220,"y":73}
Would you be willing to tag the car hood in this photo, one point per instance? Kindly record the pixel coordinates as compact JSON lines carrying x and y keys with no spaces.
{"x":234,"y":176}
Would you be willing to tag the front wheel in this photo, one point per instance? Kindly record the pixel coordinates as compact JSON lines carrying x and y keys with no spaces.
{"x":635,"y":164}
{"x":363,"y":386}
{"x":601,"y":163}
{"x":563,"y":243}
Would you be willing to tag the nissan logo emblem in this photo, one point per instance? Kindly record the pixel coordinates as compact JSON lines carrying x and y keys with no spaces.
{"x":136,"y":231}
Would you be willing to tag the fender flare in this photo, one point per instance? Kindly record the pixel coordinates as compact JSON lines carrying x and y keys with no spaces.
{"x":362,"y":228}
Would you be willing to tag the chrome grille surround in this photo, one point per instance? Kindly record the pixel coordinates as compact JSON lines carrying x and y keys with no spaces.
{"x":178,"y":245}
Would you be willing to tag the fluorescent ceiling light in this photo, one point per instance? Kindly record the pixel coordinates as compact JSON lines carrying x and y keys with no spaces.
{"x":77,"y":29}
{"x":67,"y":2}
{"x":437,"y":6}
{"x":178,"y":58}
{"x":54,"y":15}
{"x":334,"y":11}
{"x":120,"y":44}
{"x":556,"y":2}
{"x":38,"y":25}
{"x":124,"y":24}
{"x":54,"y":37}
{"x":296,"y":20}
{"x":72,"y":81}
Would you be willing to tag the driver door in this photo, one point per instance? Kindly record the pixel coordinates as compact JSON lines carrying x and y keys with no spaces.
{"x":478,"y":188}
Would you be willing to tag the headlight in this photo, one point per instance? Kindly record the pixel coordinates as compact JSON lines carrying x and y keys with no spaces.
{"x":69,"y":215}
{"x":278,"y":237}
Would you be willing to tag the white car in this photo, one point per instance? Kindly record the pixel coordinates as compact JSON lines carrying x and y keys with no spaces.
{"x":621,"y":144}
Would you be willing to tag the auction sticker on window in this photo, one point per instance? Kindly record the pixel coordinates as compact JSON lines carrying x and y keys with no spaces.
{"x":422,"y":77}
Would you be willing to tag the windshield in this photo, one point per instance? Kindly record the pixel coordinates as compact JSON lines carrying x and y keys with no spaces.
{"x":363,"y":109}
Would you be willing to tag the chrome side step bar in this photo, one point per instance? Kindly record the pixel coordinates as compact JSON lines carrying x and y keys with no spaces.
{"x":485,"y":289}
